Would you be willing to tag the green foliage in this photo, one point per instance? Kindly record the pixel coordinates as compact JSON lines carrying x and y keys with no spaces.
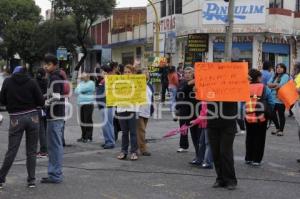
{"x":85,"y":13}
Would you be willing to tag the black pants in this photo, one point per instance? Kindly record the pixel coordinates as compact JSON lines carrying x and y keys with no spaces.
{"x":86,"y":119}
{"x":195,"y":134}
{"x":255,"y":141}
{"x":241,"y":124}
{"x":18,"y":124}
{"x":221,"y":142}
{"x":42,"y":134}
{"x":279,"y":116}
{"x":164,"y":88}
{"x":117,"y":127}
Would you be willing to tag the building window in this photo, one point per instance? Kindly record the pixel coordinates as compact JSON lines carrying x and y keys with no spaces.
{"x":171,"y":7}
{"x":178,"y":6}
{"x":276,"y":3}
{"x":163,"y":8}
{"x":297,"y":5}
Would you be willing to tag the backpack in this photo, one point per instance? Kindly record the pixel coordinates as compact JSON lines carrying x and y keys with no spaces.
{"x":66,"y":84}
{"x":257,"y":109}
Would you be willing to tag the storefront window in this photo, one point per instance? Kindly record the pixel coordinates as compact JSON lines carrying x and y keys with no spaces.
{"x":127,"y":58}
{"x":163,"y":8}
{"x":178,"y":4}
{"x":297,"y":6}
{"x":242,"y":52}
{"x":276,"y":3}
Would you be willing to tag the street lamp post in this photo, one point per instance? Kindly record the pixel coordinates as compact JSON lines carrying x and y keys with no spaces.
{"x":157,"y":28}
{"x":229,"y":30}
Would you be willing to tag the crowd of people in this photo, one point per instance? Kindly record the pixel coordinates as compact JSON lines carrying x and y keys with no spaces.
{"x":38,"y":108}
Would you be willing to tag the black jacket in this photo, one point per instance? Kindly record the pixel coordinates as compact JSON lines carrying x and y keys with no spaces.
{"x":42,"y":84}
{"x":217,"y":111}
{"x":55,"y":107}
{"x":19,"y":93}
{"x":186,"y":103}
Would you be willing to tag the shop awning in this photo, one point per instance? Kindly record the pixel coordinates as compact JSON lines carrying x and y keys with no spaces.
{"x":276,"y":48}
{"x":247,"y":46}
{"x":134,"y":42}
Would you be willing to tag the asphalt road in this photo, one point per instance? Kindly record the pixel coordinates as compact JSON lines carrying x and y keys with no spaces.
{"x":93,"y":173}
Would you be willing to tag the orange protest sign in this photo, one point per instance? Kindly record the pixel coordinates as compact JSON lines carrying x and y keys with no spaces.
{"x":222,"y":82}
{"x":288,"y":94}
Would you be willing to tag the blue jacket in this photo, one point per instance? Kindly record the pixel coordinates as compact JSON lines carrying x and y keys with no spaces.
{"x":281,"y":81}
{"x":85,"y":92}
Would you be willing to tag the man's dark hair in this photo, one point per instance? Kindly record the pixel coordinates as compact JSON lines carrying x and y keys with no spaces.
{"x":50,"y":58}
{"x":254,"y":75}
{"x":267,"y":65}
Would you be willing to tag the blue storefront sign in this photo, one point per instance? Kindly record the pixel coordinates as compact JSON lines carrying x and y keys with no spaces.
{"x":245,"y":12}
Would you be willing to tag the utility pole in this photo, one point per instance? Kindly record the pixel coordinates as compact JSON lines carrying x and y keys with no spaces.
{"x":157,"y":28}
{"x":229,"y":30}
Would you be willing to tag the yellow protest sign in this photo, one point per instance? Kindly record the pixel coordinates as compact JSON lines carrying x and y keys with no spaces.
{"x":125,"y":90}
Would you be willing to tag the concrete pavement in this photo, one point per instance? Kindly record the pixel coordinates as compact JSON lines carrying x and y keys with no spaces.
{"x":93,"y":173}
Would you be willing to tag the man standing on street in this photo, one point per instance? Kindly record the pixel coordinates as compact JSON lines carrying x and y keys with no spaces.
{"x":21,"y":96}
{"x":221,"y":132}
{"x":55,"y":104}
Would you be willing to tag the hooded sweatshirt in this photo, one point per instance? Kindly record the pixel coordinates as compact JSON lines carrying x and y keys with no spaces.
{"x":20,"y":94}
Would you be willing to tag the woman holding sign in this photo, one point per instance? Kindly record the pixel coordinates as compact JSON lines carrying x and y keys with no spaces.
{"x":128,"y":121}
{"x":275,"y":83}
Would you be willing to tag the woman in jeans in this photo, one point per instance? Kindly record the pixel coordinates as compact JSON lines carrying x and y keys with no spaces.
{"x":128,"y":120}
{"x":280,"y":78}
{"x":86,"y":98}
{"x":173,"y":84}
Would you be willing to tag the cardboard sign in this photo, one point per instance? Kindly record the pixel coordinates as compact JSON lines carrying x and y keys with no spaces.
{"x":125,"y":90}
{"x":288,"y":94}
{"x":222,"y":82}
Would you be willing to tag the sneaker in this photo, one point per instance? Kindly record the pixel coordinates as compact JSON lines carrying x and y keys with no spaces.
{"x":80,"y":140}
{"x":1,"y":186}
{"x":146,"y":153}
{"x":195,"y":162}
{"x":108,"y":147}
{"x":298,"y":160}
{"x":42,"y":155}
{"x":206,"y":166}
{"x":89,"y":140}
{"x":256,"y":164}
{"x":231,"y":187}
{"x":181,"y":150}
{"x":218,"y":184}
{"x":241,"y":133}
{"x":248,"y":162}
{"x":31,"y":185}
{"x":49,"y":181}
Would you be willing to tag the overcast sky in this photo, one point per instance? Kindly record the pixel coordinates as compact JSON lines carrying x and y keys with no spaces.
{"x":45,"y":4}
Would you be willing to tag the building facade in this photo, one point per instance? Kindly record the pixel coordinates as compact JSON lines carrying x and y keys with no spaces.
{"x":263,"y":30}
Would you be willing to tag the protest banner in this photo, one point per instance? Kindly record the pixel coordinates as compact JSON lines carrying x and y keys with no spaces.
{"x":222,"y":82}
{"x":288,"y":94}
{"x":125,"y":90}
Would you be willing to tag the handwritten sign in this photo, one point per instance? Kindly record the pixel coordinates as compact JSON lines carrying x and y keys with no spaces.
{"x":222,"y":82}
{"x":288,"y":94}
{"x":125,"y":90}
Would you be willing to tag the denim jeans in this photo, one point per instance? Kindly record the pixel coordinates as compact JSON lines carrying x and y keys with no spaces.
{"x":55,"y":149}
{"x":173,"y":92}
{"x":205,"y":155}
{"x":107,"y":116}
{"x":128,"y":123}
{"x":18,"y":124}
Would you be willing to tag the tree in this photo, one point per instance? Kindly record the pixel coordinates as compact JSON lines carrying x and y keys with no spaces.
{"x":18,"y":22}
{"x":65,"y":36}
{"x":85,"y":13}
